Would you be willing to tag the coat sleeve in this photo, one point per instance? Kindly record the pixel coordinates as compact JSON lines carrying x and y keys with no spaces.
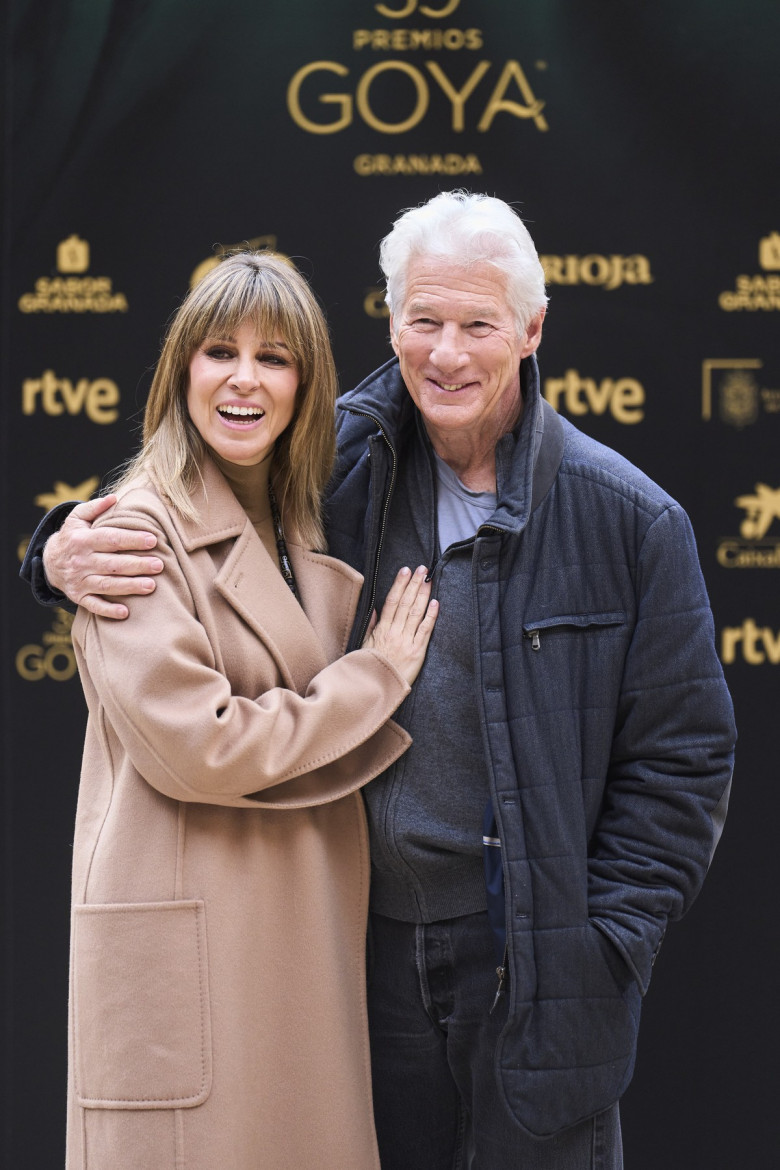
{"x":672,"y":754}
{"x":155,"y":679}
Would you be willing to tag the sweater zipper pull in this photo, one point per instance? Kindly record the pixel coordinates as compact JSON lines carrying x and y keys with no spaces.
{"x":535,"y":639}
{"x":502,"y":973}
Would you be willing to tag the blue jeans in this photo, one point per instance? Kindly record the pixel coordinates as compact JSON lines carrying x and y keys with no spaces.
{"x":436,"y":1102}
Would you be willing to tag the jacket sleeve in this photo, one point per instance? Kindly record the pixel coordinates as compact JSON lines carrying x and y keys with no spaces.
{"x":672,"y":754}
{"x":154,"y":684}
{"x":32,"y":565}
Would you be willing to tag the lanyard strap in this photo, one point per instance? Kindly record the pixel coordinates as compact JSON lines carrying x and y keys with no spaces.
{"x":281,"y":545}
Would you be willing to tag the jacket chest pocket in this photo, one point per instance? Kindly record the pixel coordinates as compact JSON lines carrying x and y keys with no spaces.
{"x":576,"y":660}
{"x":571,"y":624}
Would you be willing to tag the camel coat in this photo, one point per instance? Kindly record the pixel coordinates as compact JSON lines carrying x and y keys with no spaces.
{"x":220,"y":878}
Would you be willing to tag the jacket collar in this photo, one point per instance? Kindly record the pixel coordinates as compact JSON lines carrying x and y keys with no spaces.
{"x":527,"y":459}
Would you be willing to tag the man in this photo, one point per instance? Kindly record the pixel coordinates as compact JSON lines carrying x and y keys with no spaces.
{"x":572,"y":731}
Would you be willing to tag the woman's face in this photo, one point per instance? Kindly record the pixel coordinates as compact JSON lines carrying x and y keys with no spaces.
{"x":241,"y":393}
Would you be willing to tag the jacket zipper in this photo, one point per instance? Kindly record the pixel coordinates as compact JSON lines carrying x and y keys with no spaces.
{"x":501,"y":972}
{"x":383,"y":525}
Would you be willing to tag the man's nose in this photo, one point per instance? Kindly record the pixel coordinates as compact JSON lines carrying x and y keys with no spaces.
{"x":449,"y":351}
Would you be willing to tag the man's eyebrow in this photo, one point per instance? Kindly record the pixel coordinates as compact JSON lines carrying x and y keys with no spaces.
{"x":470,"y":312}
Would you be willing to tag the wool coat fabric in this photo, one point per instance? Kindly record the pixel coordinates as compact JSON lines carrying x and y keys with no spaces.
{"x":220,"y":880}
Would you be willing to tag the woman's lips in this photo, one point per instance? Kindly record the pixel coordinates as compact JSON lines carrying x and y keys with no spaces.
{"x":240,"y":415}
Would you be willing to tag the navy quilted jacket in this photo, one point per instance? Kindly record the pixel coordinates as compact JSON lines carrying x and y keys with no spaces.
{"x":607,"y":725}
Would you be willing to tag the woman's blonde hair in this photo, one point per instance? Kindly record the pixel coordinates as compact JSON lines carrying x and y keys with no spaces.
{"x":266,"y":290}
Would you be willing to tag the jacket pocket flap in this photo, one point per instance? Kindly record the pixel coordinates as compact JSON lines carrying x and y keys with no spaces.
{"x":141,"y":1022}
{"x":578,"y":620}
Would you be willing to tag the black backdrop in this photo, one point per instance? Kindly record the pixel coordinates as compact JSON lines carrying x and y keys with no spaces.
{"x":640,"y":143}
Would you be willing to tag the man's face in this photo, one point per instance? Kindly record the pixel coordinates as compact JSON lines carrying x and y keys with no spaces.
{"x":459,"y":349}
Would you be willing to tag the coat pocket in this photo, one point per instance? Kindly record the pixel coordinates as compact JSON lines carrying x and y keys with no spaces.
{"x":140,"y":1005}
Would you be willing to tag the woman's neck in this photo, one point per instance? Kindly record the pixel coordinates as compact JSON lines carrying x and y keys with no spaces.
{"x":249,"y":485}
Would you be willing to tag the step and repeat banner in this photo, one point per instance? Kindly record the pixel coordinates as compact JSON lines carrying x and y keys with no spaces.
{"x":639,"y":143}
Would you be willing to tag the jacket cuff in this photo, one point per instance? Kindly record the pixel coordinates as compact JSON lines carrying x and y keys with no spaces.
{"x":32,"y":566}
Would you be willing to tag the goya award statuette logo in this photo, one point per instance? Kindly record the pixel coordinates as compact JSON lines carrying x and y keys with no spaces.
{"x":71,"y":291}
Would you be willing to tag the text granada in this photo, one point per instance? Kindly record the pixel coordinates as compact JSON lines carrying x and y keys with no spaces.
{"x":417,"y":164}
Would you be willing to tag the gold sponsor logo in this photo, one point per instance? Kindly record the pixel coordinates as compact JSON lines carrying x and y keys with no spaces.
{"x":374,"y":304}
{"x":257,"y":243}
{"x":417,"y":164}
{"x":760,"y":292}
{"x":623,"y":398}
{"x":71,"y":293}
{"x":750,"y":550}
{"x":72,"y":255}
{"x":750,"y":643}
{"x":98,"y":398}
{"x":730,"y":387}
{"x":393,"y":96}
{"x":54,"y":658}
{"x":607,"y":272}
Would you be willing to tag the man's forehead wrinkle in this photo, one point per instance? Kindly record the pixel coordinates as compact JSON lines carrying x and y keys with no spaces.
{"x":467,"y":308}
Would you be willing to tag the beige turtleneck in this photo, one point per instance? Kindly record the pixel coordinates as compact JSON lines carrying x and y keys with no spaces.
{"x":250,"y":487}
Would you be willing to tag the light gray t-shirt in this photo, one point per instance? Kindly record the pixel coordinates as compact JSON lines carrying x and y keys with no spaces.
{"x":459,"y":510}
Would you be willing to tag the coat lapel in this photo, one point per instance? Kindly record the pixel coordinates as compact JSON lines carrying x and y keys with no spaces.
{"x":302,"y":637}
{"x":329,"y":592}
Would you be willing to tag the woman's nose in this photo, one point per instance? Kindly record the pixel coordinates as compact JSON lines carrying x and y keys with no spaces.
{"x":244,"y":376}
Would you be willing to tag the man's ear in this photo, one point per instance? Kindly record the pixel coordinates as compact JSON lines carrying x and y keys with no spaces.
{"x":393,"y":339}
{"x":533,"y":334}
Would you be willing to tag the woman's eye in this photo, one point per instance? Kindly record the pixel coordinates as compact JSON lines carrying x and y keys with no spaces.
{"x":219,"y":352}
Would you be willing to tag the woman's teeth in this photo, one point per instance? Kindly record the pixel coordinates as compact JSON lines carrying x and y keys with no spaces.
{"x":242,"y":411}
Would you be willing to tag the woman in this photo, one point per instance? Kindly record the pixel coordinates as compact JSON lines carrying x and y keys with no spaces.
{"x":217,"y":1013}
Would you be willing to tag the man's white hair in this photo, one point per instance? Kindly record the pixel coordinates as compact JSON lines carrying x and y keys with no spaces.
{"x":465,"y":229}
